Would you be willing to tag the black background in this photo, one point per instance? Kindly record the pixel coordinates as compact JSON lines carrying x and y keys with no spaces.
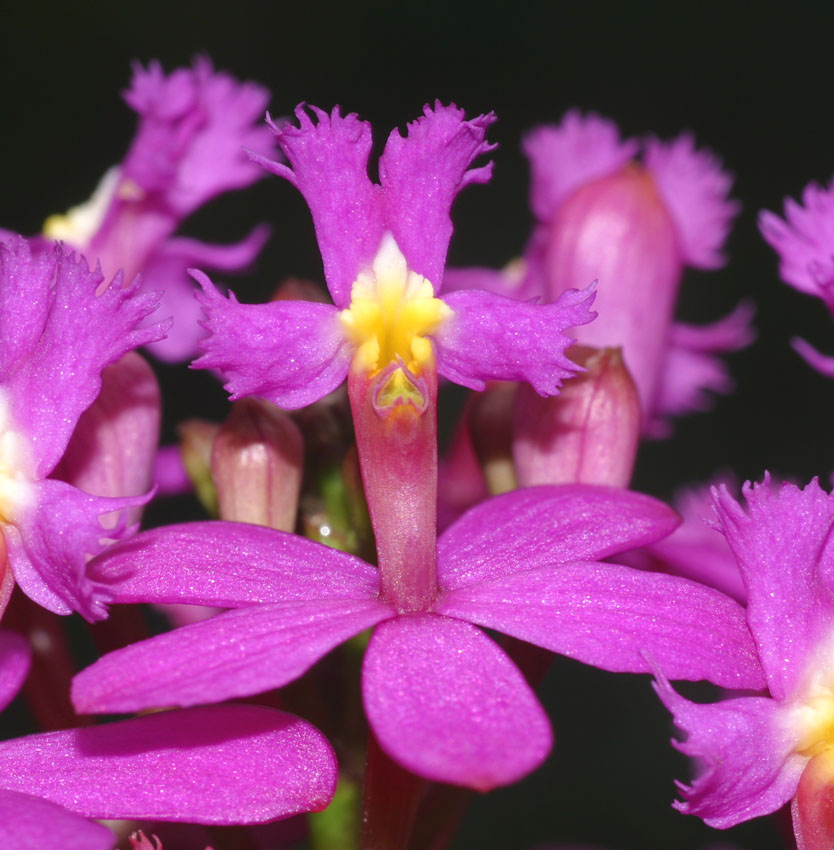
{"x":753,"y":86}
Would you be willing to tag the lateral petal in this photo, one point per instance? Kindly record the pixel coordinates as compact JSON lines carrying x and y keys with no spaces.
{"x":291,"y":353}
{"x":50,"y":545}
{"x":238,"y":653}
{"x":229,"y":565}
{"x":493,"y":338}
{"x":446,"y":703}
{"x":30,"y":823}
{"x":785,"y":553}
{"x":15,"y":658}
{"x":422,"y":173}
{"x":547,"y":526}
{"x":218,"y":764}
{"x":328,"y":164}
{"x":618,"y":619}
{"x":748,"y":767}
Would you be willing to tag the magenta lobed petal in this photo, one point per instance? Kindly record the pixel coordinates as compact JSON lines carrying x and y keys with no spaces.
{"x":15,"y":658}
{"x":166,"y":270}
{"x":804,"y":241}
{"x":422,"y":173}
{"x":289,"y":352}
{"x":618,"y":619}
{"x":446,"y":703}
{"x":823,"y":363}
{"x":564,"y":157}
{"x":219,"y":764}
{"x":694,"y":187}
{"x":64,"y":335}
{"x":50,"y":545}
{"x":229,"y":565}
{"x":30,"y":823}
{"x":691,"y":369}
{"x":786,"y":557}
{"x":235,"y":654}
{"x":697,"y":549}
{"x":491,"y":337}
{"x":113,"y":447}
{"x":748,"y":763}
{"x":547,"y":526}
{"x":328,"y":164}
{"x":193,"y":125}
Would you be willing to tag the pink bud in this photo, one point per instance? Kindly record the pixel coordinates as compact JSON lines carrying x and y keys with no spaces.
{"x":813,"y":805}
{"x":256,"y":463}
{"x":618,"y":230}
{"x":491,"y":418}
{"x":588,"y":434}
{"x":196,"y":441}
{"x":113,"y":447}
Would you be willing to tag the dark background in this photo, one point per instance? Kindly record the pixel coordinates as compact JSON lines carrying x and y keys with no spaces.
{"x":754,"y":87}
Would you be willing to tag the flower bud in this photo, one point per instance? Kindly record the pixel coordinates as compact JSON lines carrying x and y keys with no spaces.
{"x":588,"y":434}
{"x":813,"y":805}
{"x":196,"y":441}
{"x":492,"y":426}
{"x":256,"y":464}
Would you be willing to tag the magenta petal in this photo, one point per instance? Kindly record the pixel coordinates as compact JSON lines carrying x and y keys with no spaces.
{"x":619,"y":619}
{"x":235,"y":654}
{"x":564,"y":157}
{"x":692,"y":368}
{"x":166,"y":270}
{"x":546,"y":526}
{"x":220,"y":764}
{"x":65,"y":334}
{"x":493,"y":338}
{"x":785,"y":553}
{"x":114,"y":445}
{"x":289,"y":352}
{"x":420,"y":176}
{"x":446,"y":703}
{"x":229,"y":565}
{"x":29,"y":823}
{"x":748,"y":763}
{"x":192,"y":126}
{"x":50,"y":545}
{"x":823,"y":363}
{"x":328,"y":164}
{"x":15,"y":657}
{"x":804,"y":241}
{"x":694,"y":188}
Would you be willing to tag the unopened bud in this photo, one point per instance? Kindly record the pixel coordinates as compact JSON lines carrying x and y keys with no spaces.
{"x":588,"y":434}
{"x":813,"y":805}
{"x":491,"y":421}
{"x":196,"y":439}
{"x":256,"y":464}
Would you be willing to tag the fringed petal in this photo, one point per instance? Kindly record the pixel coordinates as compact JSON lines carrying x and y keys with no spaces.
{"x":49,"y":546}
{"x":291,"y":353}
{"x":422,"y":173}
{"x":564,"y":157}
{"x":747,"y":764}
{"x":804,"y":241}
{"x":328,"y":164}
{"x":695,"y":188}
{"x":61,"y":335}
{"x":692,"y":368}
{"x":784,"y":548}
{"x":493,"y":338}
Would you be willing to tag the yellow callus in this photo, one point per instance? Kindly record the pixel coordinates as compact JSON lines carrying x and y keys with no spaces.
{"x":814,"y":719}
{"x":392,"y":313}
